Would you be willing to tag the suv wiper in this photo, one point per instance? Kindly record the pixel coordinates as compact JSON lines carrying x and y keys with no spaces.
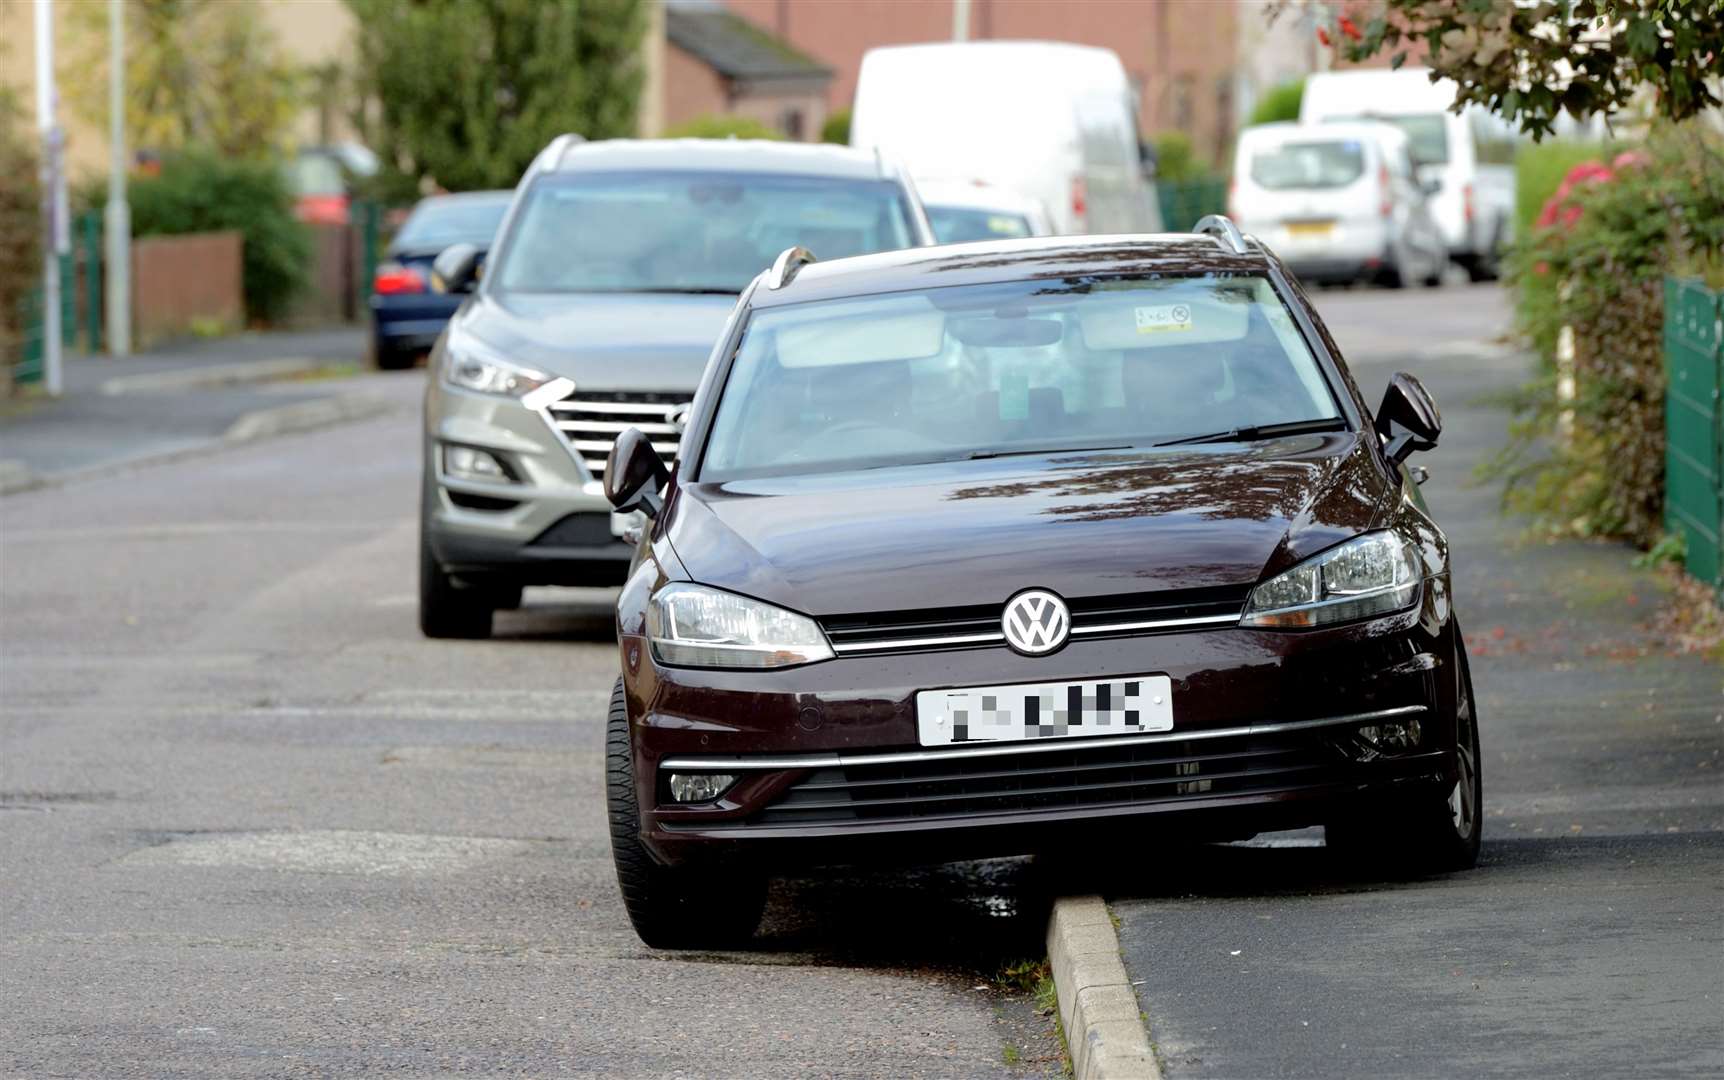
{"x":1262,"y":431}
{"x":696,"y":290}
{"x":977,"y":455}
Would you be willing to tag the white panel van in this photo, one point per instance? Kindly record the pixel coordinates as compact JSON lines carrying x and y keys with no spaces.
{"x":1054,"y":122}
{"x":1469,"y":154}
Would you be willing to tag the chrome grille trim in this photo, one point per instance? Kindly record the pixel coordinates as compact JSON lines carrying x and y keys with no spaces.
{"x":1156,"y":624}
{"x":588,"y":423}
{"x":830,"y":761}
{"x":913,"y":643}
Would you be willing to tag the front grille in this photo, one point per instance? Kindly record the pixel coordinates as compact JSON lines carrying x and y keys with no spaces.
{"x":590,"y":422}
{"x":1168,"y":772}
{"x":979,"y":625}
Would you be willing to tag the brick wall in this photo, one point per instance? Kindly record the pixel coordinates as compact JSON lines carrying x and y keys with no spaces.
{"x":181,"y":281}
{"x":1181,"y":54}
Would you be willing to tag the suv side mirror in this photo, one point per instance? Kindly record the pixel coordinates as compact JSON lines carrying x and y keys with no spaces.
{"x":455,"y":269}
{"x":634,"y":475}
{"x":1407,"y":419}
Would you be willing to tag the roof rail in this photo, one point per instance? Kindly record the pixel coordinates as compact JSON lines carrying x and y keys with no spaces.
{"x":1225,"y":232}
{"x":784,"y":267}
{"x":564,"y":143}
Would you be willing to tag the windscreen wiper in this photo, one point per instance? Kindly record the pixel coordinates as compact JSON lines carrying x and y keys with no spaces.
{"x":1262,"y":431}
{"x":694,"y":290}
{"x":976,"y":455}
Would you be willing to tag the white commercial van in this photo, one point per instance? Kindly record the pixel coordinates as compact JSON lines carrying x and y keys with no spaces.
{"x":1469,"y":154}
{"x":1338,"y":202}
{"x":1055,"y":122}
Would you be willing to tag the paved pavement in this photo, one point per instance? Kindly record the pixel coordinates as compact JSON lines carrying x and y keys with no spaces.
{"x":89,"y":429}
{"x":1589,"y":941}
{"x":252,"y":825}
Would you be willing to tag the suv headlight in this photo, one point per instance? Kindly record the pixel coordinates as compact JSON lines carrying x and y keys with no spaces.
{"x":1375,"y":574}
{"x":694,"y":626}
{"x":471,"y":366}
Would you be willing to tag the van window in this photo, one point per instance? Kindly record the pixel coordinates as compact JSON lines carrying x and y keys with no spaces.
{"x":1308,"y":165}
{"x":1428,"y":133}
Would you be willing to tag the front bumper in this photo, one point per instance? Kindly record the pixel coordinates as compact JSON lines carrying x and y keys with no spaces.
{"x":1266,"y":737}
{"x":548,"y":525}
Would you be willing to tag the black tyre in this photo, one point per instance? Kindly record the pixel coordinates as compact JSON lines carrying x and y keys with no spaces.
{"x":386,"y":357}
{"x":1436,"y":832}
{"x":446,"y":609}
{"x":670,"y":907}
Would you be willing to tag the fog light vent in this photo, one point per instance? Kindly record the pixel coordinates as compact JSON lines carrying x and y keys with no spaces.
{"x":698,"y":787}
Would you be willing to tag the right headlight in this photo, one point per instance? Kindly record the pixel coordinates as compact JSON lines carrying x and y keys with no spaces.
{"x":694,"y":626}
{"x":1374,"y":574}
{"x":472,"y":366}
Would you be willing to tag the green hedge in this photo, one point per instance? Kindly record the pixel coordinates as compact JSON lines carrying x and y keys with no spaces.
{"x":722,"y":127}
{"x":197,"y":191}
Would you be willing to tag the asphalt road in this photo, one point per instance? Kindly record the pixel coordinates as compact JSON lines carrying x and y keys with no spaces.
{"x":251,"y":824}
{"x":1590,"y":941}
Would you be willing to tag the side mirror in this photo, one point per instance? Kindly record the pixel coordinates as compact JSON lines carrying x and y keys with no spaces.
{"x":634,"y":475}
{"x":455,"y":269}
{"x":1148,"y":161}
{"x":1407,"y":419}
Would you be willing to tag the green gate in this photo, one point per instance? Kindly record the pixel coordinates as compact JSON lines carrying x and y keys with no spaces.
{"x":1184,"y":202}
{"x":1694,"y":423}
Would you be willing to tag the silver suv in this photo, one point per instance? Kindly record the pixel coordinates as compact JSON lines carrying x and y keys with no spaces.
{"x":611,"y":277}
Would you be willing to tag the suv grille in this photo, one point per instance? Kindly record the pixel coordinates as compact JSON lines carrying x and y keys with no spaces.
{"x":590,"y":422}
{"x":979,"y":626}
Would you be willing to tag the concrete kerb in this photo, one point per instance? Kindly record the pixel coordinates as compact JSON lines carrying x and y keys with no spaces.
{"x":302,"y":416}
{"x":1105,"y":1033}
{"x":202,"y":378}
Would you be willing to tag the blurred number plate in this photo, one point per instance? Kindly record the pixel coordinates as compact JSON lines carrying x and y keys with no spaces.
{"x":625,"y":524}
{"x":1310,"y":228}
{"x":992,"y":714}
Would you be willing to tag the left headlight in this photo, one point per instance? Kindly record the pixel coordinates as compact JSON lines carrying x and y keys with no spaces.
{"x":694,"y":626}
{"x":1375,"y":574}
{"x":474,"y":367}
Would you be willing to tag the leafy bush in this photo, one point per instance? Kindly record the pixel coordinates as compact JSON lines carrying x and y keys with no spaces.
{"x":1279,"y":103}
{"x":1539,"y":168}
{"x":1176,"y":160}
{"x":1591,"y":462}
{"x":836,"y":129}
{"x":722,"y":127}
{"x":199,"y":192}
{"x":20,"y":229}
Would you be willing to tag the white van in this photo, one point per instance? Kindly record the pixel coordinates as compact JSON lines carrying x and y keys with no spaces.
{"x":1054,"y":122}
{"x":1469,"y":154}
{"x":1338,"y":202}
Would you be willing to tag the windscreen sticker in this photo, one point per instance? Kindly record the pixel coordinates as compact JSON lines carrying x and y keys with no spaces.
{"x":1154,"y":320}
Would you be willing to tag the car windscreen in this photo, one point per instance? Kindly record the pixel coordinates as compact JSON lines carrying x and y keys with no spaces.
{"x":960,"y":224}
{"x":1428,"y":133}
{"x":437,"y":223}
{"x":980,"y":370}
{"x":1313,"y":165}
{"x":688,"y":231}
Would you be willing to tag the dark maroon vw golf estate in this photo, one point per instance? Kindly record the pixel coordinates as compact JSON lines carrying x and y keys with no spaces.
{"x":989,"y":548}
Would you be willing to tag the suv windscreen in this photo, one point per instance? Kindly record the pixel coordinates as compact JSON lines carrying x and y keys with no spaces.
{"x":684,"y":231}
{"x":960,"y":224}
{"x":1308,"y":165}
{"x":437,"y":223}
{"x":982,"y":370}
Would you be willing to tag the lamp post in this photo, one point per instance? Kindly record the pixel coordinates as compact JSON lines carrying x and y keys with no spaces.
{"x":118,"y":215}
{"x":57,"y":236}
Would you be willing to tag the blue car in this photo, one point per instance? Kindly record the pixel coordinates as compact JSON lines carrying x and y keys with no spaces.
{"x":406,"y":315}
